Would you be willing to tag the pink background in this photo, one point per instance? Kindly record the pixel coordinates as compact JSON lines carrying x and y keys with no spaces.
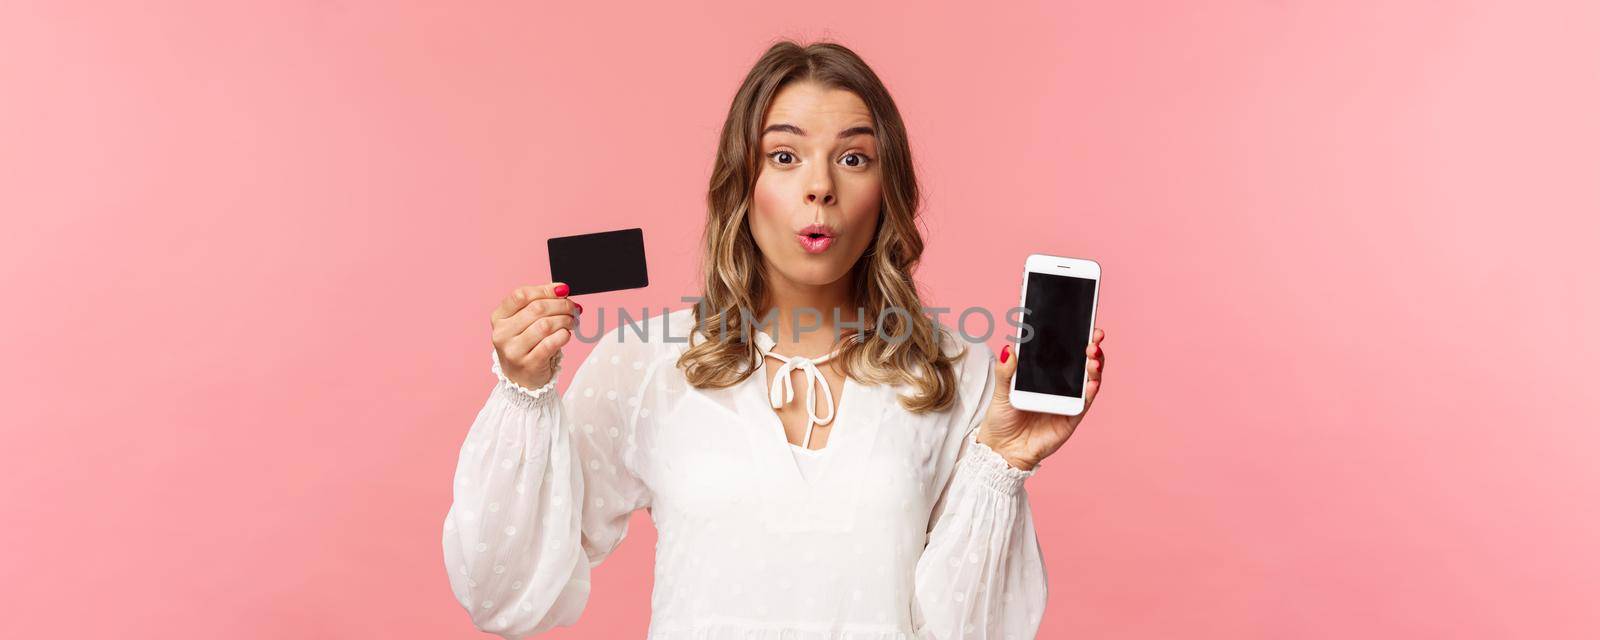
{"x":249,"y":254}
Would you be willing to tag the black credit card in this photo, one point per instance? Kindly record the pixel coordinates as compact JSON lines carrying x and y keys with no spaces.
{"x":595,"y":262}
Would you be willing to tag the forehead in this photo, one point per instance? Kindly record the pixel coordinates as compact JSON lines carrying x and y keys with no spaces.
{"x":822,"y":106}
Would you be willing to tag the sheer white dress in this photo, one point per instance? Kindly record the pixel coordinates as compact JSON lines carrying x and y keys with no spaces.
{"x":902,"y":527}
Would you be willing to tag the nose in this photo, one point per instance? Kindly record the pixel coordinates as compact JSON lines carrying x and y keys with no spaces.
{"x":820,"y":188}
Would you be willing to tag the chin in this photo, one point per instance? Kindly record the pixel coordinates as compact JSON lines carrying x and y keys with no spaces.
{"x":816,"y":274}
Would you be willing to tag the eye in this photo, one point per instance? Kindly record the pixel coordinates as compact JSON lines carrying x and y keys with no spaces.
{"x":861,"y":162}
{"x":780,"y":153}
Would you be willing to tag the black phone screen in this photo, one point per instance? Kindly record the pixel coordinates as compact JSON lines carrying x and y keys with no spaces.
{"x":1059,"y":310}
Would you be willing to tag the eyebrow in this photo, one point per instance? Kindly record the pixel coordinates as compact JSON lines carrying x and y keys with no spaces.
{"x":789,"y":128}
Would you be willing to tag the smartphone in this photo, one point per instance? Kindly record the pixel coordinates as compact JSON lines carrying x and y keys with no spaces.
{"x":1059,"y":298}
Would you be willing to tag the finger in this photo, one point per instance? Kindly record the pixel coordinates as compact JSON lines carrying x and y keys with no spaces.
{"x":551,"y":344}
{"x":1004,"y":368}
{"x":520,"y":348}
{"x":1094,"y":369}
{"x":1090,"y":390}
{"x":1099,"y":334}
{"x":537,"y":309}
{"x":521,"y":296}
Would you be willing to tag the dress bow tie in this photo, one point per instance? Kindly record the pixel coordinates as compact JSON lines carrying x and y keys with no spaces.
{"x":782,"y":390}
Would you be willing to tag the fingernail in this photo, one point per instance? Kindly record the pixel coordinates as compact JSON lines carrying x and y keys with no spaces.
{"x":579,"y":306}
{"x":1005,"y":354}
{"x":561,"y":290}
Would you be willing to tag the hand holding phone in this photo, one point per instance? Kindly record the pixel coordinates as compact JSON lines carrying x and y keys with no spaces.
{"x":1042,"y":394}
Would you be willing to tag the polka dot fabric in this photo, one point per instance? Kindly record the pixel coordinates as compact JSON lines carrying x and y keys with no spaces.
{"x":904,"y":527}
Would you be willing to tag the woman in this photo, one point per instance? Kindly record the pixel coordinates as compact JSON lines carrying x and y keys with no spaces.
{"x":894,"y":510}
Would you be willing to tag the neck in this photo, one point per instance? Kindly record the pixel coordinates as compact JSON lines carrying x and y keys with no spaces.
{"x":807,"y":310}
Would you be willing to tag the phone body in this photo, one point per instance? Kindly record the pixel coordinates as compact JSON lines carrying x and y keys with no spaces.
{"x":1060,"y":296}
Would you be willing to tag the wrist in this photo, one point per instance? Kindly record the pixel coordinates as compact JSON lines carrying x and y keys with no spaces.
{"x":527,"y":395}
{"x":1006,"y":451}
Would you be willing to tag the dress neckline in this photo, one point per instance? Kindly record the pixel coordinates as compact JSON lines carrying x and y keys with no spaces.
{"x":781,"y":391}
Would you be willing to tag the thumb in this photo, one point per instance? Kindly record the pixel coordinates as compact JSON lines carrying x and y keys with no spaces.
{"x":1005,"y":367}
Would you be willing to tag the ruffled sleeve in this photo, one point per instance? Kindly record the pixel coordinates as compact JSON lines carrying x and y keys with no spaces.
{"x":542,"y":494}
{"x":982,"y":573}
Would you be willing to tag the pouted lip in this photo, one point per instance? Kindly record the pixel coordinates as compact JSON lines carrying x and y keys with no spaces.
{"x":816,"y":231}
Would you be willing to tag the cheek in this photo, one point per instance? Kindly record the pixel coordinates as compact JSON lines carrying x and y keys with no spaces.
{"x":862,"y":205}
{"x":768,"y":210}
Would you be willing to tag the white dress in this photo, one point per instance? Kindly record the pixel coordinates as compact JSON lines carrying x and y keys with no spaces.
{"x":902,"y":527}
{"x":808,"y":460}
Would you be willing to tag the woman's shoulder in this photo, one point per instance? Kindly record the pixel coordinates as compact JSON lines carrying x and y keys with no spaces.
{"x":972,"y":358}
{"x":973,"y":363}
{"x":643,"y":336}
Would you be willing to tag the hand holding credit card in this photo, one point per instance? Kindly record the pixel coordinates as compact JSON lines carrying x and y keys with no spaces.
{"x":596,"y":262}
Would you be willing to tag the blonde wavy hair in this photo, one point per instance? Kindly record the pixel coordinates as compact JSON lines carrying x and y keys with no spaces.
{"x":733,"y":271}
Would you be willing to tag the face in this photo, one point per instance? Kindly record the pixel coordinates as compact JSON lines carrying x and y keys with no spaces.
{"x":819,"y":190}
